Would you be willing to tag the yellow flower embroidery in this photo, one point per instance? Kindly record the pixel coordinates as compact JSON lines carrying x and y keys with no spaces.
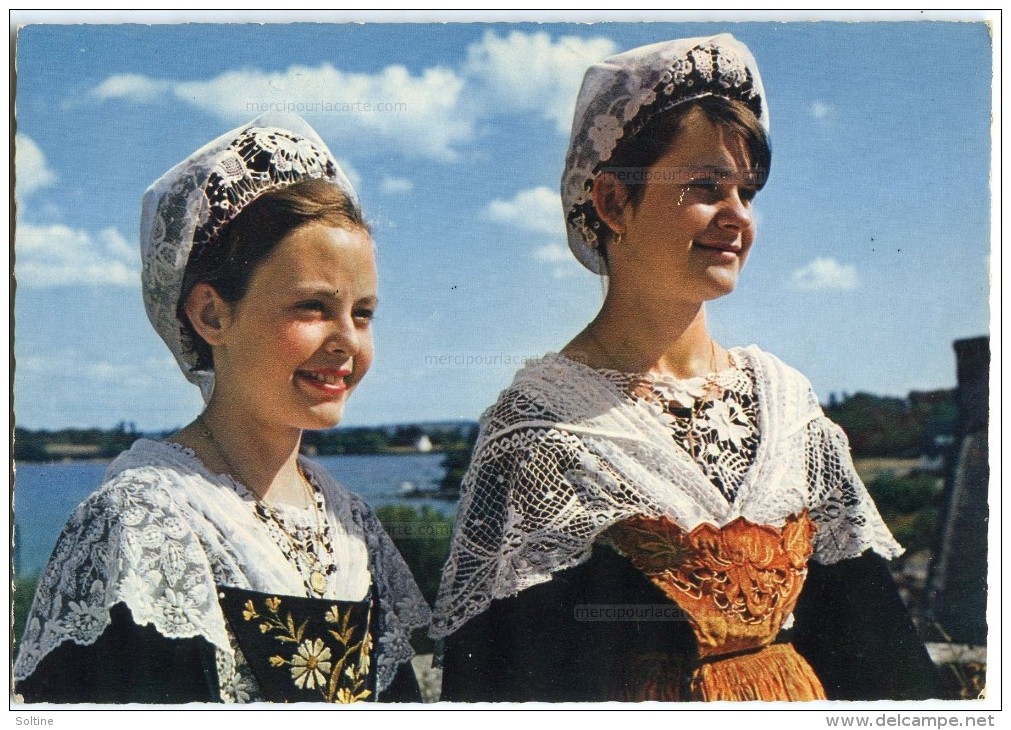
{"x":346,"y":696}
{"x":311,"y":664}
{"x":364,"y":663}
{"x":314,"y":666}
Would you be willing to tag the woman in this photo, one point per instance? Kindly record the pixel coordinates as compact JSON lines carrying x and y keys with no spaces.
{"x":649,"y":515}
{"x":219,"y":565}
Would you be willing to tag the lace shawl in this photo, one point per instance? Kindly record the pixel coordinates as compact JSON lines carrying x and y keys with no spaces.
{"x":162,"y":531}
{"x":564,"y":454}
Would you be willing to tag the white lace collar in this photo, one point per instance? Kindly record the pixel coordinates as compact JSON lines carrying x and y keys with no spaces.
{"x":162,"y":532}
{"x":564,"y":454}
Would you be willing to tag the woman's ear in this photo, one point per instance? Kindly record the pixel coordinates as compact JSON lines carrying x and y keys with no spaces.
{"x":209,"y":314}
{"x":610,"y":198}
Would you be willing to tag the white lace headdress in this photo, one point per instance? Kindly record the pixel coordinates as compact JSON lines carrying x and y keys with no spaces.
{"x":621,"y":94}
{"x":190,"y":204}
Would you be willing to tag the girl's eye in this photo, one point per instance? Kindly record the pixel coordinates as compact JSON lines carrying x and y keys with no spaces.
{"x":711,"y":188}
{"x":364,"y":314}
{"x":706,"y":186}
{"x":703,"y":183}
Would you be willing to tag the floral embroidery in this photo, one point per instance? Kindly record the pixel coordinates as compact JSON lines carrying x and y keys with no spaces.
{"x":737,"y":583}
{"x":235,"y":687}
{"x":336,"y":665}
{"x":178,"y":609}
{"x":605,"y":133}
{"x":296,"y":154}
{"x":310,"y":665}
{"x":679,"y":71}
{"x":84,"y":618}
{"x":268,"y":158}
{"x":682,"y":392}
{"x":714,"y":419}
{"x":732,"y":71}
{"x":703,"y":58}
{"x":727,"y":419}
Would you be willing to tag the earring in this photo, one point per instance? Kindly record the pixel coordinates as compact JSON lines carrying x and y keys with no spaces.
{"x":617,"y":238}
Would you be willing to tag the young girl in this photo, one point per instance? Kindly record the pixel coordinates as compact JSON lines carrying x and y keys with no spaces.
{"x":219,"y":565}
{"x":649,"y":513}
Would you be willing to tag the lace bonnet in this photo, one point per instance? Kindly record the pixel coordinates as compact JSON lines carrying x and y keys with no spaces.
{"x":187,"y":207}
{"x":623,"y":93}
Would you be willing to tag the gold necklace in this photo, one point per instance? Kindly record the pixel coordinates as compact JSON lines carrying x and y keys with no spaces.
{"x":317,"y":582}
{"x":710,"y":392}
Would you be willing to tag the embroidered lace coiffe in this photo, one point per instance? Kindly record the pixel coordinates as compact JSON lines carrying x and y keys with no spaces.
{"x":566,"y":453}
{"x":185,"y":209}
{"x":163,"y":531}
{"x":621,"y":94}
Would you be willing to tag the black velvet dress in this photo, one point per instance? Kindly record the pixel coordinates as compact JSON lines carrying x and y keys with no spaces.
{"x":851,"y":630}
{"x":298,"y":649}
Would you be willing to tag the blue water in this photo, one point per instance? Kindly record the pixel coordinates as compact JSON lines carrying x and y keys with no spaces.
{"x":46,"y":494}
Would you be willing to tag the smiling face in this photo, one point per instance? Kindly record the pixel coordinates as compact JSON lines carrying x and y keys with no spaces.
{"x":290,"y":352}
{"x":690,"y":232}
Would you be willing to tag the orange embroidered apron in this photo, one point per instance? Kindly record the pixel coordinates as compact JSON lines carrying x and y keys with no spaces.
{"x":735,"y":585}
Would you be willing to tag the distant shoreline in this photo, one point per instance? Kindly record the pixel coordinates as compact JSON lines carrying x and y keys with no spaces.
{"x":92,"y":444}
{"x":108,"y":459}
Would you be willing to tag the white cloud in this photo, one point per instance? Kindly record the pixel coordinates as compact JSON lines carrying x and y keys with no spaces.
{"x":824,"y":273}
{"x":429,"y":114}
{"x":133,"y":87}
{"x":31,"y":169}
{"x":524,"y":72}
{"x":536,"y":209}
{"x":820,"y":110}
{"x":416,"y":113}
{"x":563,"y":264}
{"x":151,"y":372}
{"x":397,"y":185}
{"x":56,"y":255}
{"x":552,"y":253}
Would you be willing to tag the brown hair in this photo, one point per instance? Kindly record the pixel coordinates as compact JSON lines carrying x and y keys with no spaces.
{"x":228,"y":261}
{"x":642,"y":151}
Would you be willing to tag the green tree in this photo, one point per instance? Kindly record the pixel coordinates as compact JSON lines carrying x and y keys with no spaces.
{"x":878,"y":426}
{"x":422,"y":536}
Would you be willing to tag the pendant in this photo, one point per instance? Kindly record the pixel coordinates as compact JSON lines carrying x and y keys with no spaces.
{"x":317,"y":581}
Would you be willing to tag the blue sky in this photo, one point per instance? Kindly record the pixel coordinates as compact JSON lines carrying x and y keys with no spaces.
{"x":874,"y":235}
